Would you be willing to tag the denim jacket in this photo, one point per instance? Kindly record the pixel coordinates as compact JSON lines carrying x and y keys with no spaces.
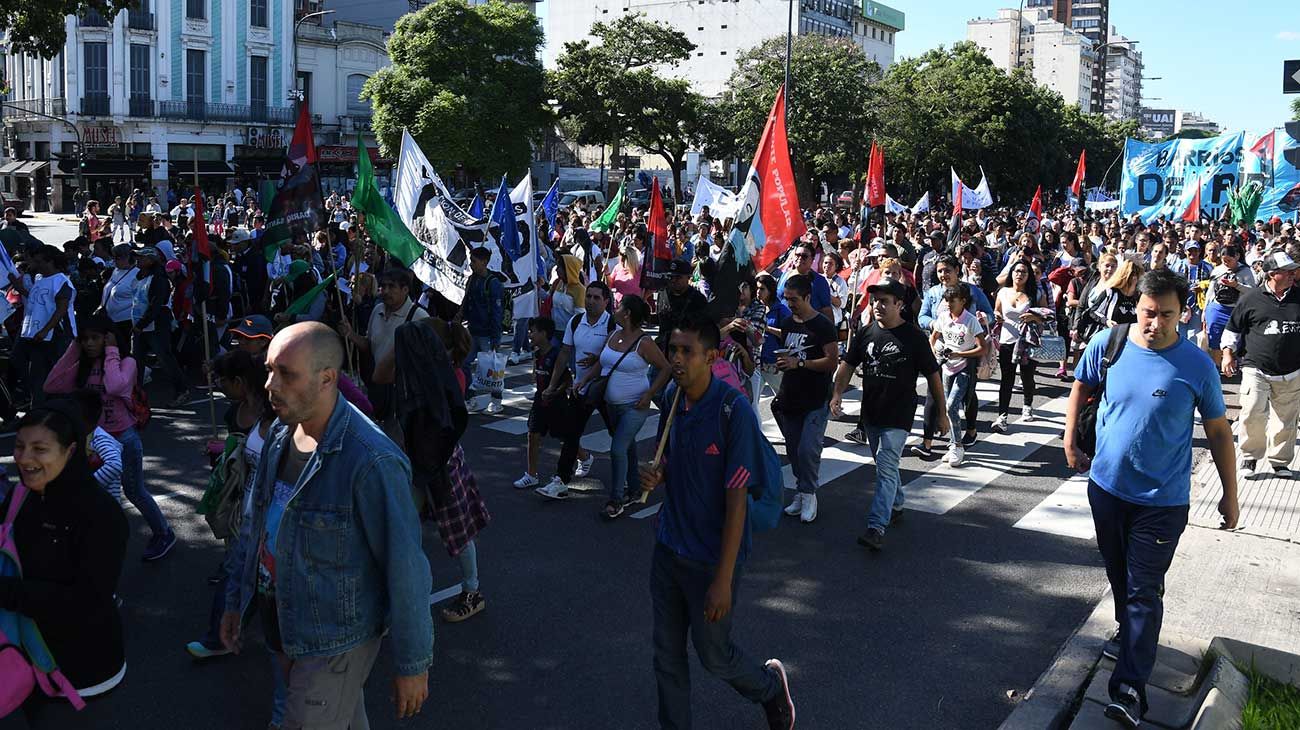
{"x":349,"y":564}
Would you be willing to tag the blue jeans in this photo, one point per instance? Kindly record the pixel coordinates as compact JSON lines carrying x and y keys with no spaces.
{"x":886,"y":447}
{"x":677,"y":591}
{"x":627,"y":420}
{"x":520,"y":343}
{"x":1189,"y":329}
{"x":1137,"y":544}
{"x":133,"y":485}
{"x":804,"y":435}
{"x":955,"y":388}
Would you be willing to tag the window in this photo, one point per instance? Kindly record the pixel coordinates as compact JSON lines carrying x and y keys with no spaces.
{"x":257,"y":13}
{"x":195,"y":9}
{"x":141,"y":82}
{"x":724,"y":27}
{"x":257,"y":81}
{"x":96,"y":81}
{"x":357,"y":105}
{"x":196,"y":80}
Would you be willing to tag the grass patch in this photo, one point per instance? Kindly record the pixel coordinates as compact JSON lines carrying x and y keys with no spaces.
{"x":1272,"y":705}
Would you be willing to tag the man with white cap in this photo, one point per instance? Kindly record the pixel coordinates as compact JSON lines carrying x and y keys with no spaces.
{"x":1263,"y":339}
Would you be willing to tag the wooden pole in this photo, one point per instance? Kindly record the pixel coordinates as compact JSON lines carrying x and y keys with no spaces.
{"x":203,"y":313}
{"x":663,"y":438}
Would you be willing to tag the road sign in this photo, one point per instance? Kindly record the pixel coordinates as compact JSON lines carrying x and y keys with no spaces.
{"x":1291,"y":77}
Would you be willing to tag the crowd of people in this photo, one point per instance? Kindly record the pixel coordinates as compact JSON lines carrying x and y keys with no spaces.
{"x":344,"y":399}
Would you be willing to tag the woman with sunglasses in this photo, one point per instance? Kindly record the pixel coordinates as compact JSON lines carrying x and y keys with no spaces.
{"x":1228,"y":281}
{"x":1012,"y":310}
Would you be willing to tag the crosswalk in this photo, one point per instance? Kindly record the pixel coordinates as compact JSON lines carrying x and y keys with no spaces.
{"x":938,"y":490}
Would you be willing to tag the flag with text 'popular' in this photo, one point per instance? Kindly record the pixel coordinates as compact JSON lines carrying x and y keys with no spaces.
{"x":1193,"y":212}
{"x":1081,"y":172}
{"x":769,"y":220}
{"x":382,"y":222}
{"x":1035,"y":218}
{"x":876,"y":177}
{"x":657,"y":224}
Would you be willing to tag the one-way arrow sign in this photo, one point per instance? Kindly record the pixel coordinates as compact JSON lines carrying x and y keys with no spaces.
{"x":1291,"y":77}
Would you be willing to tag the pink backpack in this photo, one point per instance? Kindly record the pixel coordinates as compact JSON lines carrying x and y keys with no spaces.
{"x":25,"y":661}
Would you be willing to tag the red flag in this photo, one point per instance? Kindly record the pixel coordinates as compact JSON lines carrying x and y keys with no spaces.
{"x":954,"y":226}
{"x":1076,"y":187}
{"x":657,"y":225}
{"x":302,"y":148}
{"x":876,"y":177}
{"x":1263,"y":149}
{"x":769,"y":219}
{"x":1193,"y":212}
{"x":199,"y":229}
{"x":1035,"y":211}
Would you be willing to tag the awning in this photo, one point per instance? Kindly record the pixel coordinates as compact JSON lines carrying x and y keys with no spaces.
{"x":10,"y":168}
{"x":105,"y":168}
{"x":29,"y":169}
{"x":259,"y":166}
{"x":205,"y":167}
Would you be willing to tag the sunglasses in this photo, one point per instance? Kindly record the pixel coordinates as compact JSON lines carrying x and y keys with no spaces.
{"x":802,"y":255}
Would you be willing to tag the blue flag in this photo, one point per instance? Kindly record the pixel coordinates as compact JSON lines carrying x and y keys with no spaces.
{"x":503,"y":215}
{"x":551,"y":203}
{"x":476,"y":207}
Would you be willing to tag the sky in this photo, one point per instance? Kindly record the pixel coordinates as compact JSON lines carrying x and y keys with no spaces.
{"x":1222,"y":59}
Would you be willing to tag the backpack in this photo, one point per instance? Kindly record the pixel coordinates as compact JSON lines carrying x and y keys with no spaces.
{"x":577,"y":319}
{"x":25,"y":660}
{"x":1085,"y":426}
{"x":767,"y":491}
{"x":222,"y":503}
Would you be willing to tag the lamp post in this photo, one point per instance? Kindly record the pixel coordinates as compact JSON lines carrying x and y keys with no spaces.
{"x":789,"y":42}
{"x":298,"y":94}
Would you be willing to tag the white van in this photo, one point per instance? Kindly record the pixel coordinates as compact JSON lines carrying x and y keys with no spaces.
{"x":590,"y":198}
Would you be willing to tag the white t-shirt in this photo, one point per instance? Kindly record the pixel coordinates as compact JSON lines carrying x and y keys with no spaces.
{"x":958,"y":335}
{"x":588,"y":339}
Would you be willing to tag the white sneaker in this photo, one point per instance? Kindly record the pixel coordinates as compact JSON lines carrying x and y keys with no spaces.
{"x":584,"y":466}
{"x":555,"y":490}
{"x":493,"y":407}
{"x":1027,"y":414}
{"x":515,"y":358}
{"x":955,"y":455}
{"x":526,"y":481}
{"x":809,"y":511}
{"x":477,"y":403}
{"x":796,"y":506}
{"x":1000,"y":423}
{"x":148,"y":376}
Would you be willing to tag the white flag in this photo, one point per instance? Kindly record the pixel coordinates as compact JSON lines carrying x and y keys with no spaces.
{"x":417,"y":183}
{"x":893,"y":206}
{"x":722,"y":202}
{"x":922,"y":205}
{"x":972,"y":198}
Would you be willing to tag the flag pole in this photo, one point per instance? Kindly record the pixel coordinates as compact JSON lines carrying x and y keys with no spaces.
{"x":203,"y":310}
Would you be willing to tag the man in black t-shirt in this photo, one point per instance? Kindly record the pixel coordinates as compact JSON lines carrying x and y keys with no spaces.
{"x":808,"y":354}
{"x":891,"y":352}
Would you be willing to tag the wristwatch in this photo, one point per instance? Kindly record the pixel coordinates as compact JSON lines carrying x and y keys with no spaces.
{"x":801,"y":362}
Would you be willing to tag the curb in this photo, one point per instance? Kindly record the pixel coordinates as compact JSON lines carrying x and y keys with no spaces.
{"x":1049,"y":703}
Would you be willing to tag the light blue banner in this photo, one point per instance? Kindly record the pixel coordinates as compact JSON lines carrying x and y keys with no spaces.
{"x":1160,"y":179}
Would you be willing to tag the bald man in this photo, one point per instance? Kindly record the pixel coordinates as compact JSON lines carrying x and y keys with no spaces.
{"x":332,"y":547}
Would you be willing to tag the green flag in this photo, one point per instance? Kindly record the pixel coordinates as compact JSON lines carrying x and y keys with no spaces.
{"x":303,"y":303}
{"x":387,"y":230}
{"x":270,"y":243}
{"x":605,"y":223}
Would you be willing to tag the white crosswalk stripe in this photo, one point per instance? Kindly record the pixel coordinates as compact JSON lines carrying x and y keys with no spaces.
{"x":1066,"y":512}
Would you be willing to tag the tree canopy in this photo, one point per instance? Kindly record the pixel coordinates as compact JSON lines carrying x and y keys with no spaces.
{"x":38,"y":27}
{"x":467,"y":83}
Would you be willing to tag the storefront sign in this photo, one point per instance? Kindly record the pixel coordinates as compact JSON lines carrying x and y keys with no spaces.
{"x":98,"y":137}
{"x":266,"y":138}
{"x":347,"y":153}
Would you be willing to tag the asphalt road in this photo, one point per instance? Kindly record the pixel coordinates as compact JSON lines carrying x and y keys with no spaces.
{"x":965,"y":605}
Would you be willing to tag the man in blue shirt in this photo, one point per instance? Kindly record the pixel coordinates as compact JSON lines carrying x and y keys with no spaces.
{"x":1140,"y":480}
{"x":703,"y":536}
{"x":821,"y":288}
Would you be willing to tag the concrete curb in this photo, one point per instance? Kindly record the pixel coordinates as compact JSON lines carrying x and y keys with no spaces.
{"x":1048,"y":704}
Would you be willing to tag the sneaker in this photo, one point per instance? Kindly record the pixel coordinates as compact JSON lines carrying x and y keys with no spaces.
{"x":1000,"y":423}
{"x":1110,"y":650}
{"x":779,"y":709}
{"x":796,"y":505}
{"x":476,"y":404}
{"x":1126,"y":707}
{"x":148,"y":376}
{"x":181,"y":400}
{"x":1060,"y":373}
{"x":955,"y":455}
{"x":856,"y":436}
{"x":515,"y":358}
{"x":584,"y":466}
{"x":527,"y":481}
{"x":556,"y":489}
{"x":1283,"y":472}
{"x":1248,"y":468}
{"x":467,"y":604}
{"x":873,"y":539}
{"x":969,"y":439}
{"x":199,"y":650}
{"x":159,"y":546}
{"x":808,"y":512}
{"x":920,"y":450}
{"x":1027,"y":414}
{"x":494,"y":407}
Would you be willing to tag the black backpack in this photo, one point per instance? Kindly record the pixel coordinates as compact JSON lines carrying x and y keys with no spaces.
{"x":1085,"y":426}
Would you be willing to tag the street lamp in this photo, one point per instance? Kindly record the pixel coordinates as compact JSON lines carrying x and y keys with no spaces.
{"x":298,"y":94}
{"x":789,"y":40}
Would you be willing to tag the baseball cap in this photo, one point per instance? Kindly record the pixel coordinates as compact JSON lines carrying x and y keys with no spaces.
{"x":296,"y":269}
{"x":149,"y":252}
{"x":122,"y":250}
{"x":1078,"y":263}
{"x":1192,"y":244}
{"x":253,"y":327}
{"x":888,"y":286}
{"x":344,"y":226}
{"x":1279,"y":261}
{"x":172,"y":265}
{"x":678,"y":267}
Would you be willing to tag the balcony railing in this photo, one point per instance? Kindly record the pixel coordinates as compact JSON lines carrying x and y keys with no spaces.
{"x":33,"y":108}
{"x":139,"y":20}
{"x":94,"y":105}
{"x":208,"y":112}
{"x":92,"y":19}
{"x":140,"y":106}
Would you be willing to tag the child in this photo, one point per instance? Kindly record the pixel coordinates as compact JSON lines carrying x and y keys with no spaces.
{"x":102,"y":450}
{"x":963,"y":343}
{"x":545,"y":417}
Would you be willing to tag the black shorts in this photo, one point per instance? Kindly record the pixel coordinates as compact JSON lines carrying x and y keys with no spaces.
{"x":549,"y":419}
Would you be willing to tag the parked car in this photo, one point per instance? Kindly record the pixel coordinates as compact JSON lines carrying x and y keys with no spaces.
{"x":591,"y":198}
{"x":844,"y":200}
{"x":639,"y":198}
{"x":9,"y":200}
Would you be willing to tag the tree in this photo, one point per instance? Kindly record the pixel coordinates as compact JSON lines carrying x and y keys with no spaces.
{"x":467,"y":84}
{"x":829,"y":123}
{"x":611,"y":93}
{"x":1295,"y":109}
{"x":37,"y":28}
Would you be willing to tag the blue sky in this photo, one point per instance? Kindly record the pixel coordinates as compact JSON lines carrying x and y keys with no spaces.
{"x":1222,"y":59}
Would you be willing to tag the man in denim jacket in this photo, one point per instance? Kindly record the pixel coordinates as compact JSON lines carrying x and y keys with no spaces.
{"x":331,"y":546}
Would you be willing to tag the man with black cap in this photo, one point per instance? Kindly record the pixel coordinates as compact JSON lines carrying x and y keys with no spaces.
{"x":1263,"y":336}
{"x":892,"y":353}
{"x":680,"y":299}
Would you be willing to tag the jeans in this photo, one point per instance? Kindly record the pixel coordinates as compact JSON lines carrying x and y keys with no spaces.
{"x":1188,"y":329}
{"x":886,"y":447}
{"x":520,"y":342}
{"x":804,"y":435}
{"x":1137,"y":544}
{"x":32,"y":362}
{"x":627,"y":420}
{"x":159,"y":341}
{"x":955,"y":388}
{"x":930,"y":416}
{"x":677,"y":591}
{"x":1008,"y":364}
{"x":468,"y":559}
{"x":573,"y":431}
{"x":133,"y":485}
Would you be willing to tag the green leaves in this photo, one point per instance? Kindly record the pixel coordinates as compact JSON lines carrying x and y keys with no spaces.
{"x":38,"y":28}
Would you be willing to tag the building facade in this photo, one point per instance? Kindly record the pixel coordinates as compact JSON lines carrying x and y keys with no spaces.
{"x":1123,"y":79}
{"x":1056,"y":56}
{"x":722,"y":30}
{"x":1091,"y":19}
{"x":171,"y":89}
